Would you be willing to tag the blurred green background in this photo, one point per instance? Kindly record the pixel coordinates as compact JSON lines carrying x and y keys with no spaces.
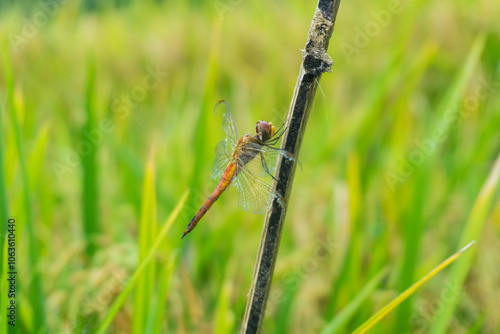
{"x":106,"y":121}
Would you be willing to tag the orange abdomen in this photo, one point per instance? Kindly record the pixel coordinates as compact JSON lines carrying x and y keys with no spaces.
{"x":223,"y":184}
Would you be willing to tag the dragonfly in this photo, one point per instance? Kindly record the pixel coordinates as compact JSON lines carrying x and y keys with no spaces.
{"x":245,"y":163}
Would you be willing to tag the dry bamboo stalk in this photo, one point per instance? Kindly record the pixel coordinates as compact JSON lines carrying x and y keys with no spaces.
{"x":315,"y":61}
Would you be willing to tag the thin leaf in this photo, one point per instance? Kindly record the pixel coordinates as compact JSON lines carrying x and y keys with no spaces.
{"x":120,"y":300}
{"x":37,"y":296}
{"x":347,"y":313}
{"x":147,"y":231}
{"x":408,"y":292}
{"x":90,"y":184}
{"x":473,"y":229}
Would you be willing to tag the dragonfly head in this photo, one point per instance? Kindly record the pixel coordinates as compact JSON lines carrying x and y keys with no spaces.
{"x":264,"y":130}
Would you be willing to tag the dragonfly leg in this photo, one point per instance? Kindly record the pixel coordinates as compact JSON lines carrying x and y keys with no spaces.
{"x":264,"y":165}
{"x":281,"y":131}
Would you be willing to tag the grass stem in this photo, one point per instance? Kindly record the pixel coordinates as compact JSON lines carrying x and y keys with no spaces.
{"x":315,"y":61}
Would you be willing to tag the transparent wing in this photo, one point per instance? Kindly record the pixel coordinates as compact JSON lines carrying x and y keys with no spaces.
{"x":222,"y":160}
{"x":228,"y":125}
{"x":266,"y":159}
{"x":254,"y":195}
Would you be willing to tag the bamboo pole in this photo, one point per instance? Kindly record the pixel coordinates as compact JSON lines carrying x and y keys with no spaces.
{"x":315,"y":61}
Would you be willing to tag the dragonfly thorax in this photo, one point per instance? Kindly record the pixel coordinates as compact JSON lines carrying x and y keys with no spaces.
{"x":246,"y":149}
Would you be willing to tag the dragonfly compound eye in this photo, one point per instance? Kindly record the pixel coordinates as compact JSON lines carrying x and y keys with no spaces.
{"x":265,"y":130}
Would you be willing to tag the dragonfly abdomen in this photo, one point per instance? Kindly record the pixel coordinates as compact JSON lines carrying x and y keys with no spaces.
{"x":223,"y":184}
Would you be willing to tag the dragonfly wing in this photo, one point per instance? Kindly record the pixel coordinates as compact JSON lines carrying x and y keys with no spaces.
{"x":266,"y":159}
{"x":222,"y":160}
{"x":228,"y":125}
{"x":254,"y":195}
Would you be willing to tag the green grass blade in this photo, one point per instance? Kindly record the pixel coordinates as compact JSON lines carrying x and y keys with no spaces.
{"x":408,"y":292}
{"x":347,"y":272}
{"x":3,"y":286}
{"x":36,"y":296}
{"x":224,"y":320}
{"x":120,"y":300}
{"x":147,"y":232}
{"x":155,"y":321}
{"x":4,"y":214}
{"x":37,"y":155}
{"x":473,"y":229}
{"x":90,"y":207}
{"x":414,"y":227}
{"x":347,"y":313}
{"x":455,"y":92}
{"x":284,"y":309}
{"x":4,"y":211}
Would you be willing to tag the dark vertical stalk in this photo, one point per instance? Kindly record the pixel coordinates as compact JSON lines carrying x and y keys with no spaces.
{"x":315,"y":61}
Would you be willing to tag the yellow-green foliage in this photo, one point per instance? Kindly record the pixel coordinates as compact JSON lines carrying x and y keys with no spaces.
{"x":106,"y":121}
